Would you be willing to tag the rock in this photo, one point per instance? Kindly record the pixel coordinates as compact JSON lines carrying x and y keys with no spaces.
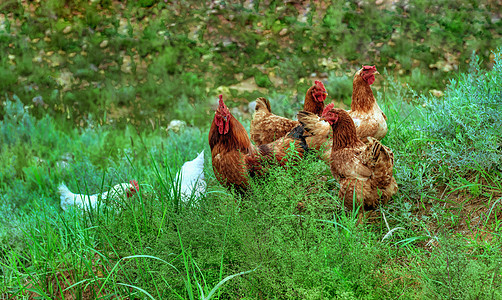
{"x":67,"y":29}
{"x":126,"y":66}
{"x":38,"y":100}
{"x":123,"y":27}
{"x":276,"y":81}
{"x":176,"y":126}
{"x":283,"y":32}
{"x":65,"y":79}
{"x":436,"y":93}
{"x":239,"y":76}
{"x":64,"y":161}
{"x":223,"y":90}
{"x":252,"y":106}
{"x":236,"y":112}
{"x":328,"y":62}
{"x":103,"y":44}
{"x":247,"y":85}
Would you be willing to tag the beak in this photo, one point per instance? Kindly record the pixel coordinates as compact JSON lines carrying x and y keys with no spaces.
{"x":376,"y":72}
{"x":325,"y":93}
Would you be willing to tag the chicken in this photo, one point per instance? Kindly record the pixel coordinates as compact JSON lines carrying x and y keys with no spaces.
{"x":235,"y":158}
{"x":368,"y":118}
{"x":85,"y":202}
{"x":363,"y":169}
{"x":320,"y":132}
{"x":190,"y":179}
{"x":267,"y":127}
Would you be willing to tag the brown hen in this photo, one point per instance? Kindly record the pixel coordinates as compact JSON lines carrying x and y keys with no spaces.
{"x":364,"y":171}
{"x":368,"y":118}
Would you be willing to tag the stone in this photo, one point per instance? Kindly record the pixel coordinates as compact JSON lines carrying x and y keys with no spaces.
{"x":176,"y":126}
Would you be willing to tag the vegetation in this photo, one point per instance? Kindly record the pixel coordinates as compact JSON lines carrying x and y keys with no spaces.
{"x":152,"y":61}
{"x":87,"y":88}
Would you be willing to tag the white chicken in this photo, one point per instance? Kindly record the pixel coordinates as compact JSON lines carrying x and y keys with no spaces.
{"x":189,"y":181}
{"x":69,"y":199}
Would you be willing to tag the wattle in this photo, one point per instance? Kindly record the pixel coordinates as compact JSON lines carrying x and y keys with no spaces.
{"x":222,"y":125}
{"x":370,"y":79}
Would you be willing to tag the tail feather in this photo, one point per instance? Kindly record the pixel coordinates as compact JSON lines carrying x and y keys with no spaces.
{"x":308,"y":120}
{"x":263,"y":103}
{"x":200,"y":163}
{"x":193,"y":169}
{"x":66,"y":197}
{"x":320,"y":131}
{"x":298,"y":133}
{"x":63,"y":189}
{"x":313,"y":124}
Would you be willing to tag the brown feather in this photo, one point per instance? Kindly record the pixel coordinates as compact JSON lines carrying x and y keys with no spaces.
{"x":235,"y":158}
{"x":320,"y":133}
{"x":362,"y":95}
{"x":266,"y":127}
{"x":369,"y":119}
{"x":364,"y":171}
{"x":364,"y":110}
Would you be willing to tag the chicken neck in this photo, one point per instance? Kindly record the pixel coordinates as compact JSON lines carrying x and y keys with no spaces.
{"x":235,"y":139}
{"x":362,"y":95}
{"x":344,"y":133}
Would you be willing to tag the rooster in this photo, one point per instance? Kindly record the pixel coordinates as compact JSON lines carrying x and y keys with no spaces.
{"x":86,"y":202}
{"x":363,"y":169}
{"x":267,"y":127}
{"x":369,"y":119}
{"x":235,"y":158}
{"x":190,"y":179}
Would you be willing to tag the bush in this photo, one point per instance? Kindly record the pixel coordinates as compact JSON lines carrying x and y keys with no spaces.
{"x":463,"y":128}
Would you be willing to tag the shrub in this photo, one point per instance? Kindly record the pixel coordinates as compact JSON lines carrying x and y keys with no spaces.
{"x":463,"y":128}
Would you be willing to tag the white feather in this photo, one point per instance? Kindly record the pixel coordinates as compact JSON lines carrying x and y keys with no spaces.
{"x":357,"y":122}
{"x":192,"y":178}
{"x":81,"y":201}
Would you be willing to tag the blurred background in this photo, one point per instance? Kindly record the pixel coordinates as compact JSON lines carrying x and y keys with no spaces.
{"x":147,"y":62}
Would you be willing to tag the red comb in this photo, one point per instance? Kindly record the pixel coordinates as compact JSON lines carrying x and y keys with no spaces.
{"x":222,"y":108}
{"x":134,"y":183}
{"x":328,"y":108}
{"x":320,"y":85}
{"x":367,"y":68}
